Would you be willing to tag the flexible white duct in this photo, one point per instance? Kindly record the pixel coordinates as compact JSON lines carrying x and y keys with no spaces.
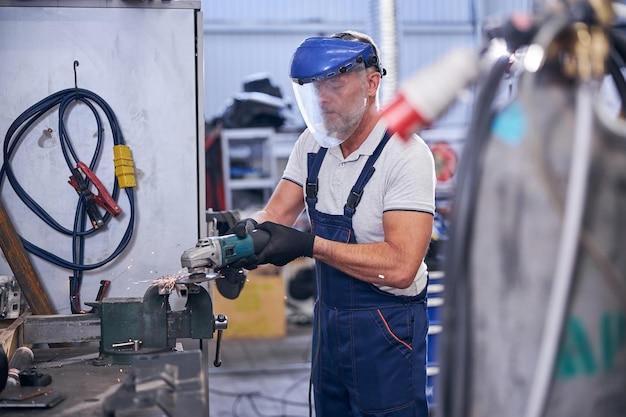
{"x":385,"y":32}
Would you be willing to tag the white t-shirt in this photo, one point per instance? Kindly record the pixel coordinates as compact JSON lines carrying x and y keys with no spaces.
{"x":404,"y":180}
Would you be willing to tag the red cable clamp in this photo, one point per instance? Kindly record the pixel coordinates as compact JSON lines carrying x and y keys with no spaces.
{"x":103,"y":198}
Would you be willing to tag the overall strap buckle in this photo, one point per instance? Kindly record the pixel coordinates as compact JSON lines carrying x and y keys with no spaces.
{"x":311,"y":190}
{"x":353,"y":199}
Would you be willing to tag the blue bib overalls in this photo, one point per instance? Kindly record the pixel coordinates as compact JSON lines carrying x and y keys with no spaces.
{"x":369,"y":346}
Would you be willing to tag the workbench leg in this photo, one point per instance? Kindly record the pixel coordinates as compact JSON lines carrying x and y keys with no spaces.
{"x":204,"y":347}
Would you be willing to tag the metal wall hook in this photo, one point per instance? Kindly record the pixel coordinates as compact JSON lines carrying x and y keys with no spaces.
{"x":76,"y":63}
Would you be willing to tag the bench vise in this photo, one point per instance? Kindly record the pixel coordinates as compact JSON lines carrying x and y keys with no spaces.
{"x":131,"y":326}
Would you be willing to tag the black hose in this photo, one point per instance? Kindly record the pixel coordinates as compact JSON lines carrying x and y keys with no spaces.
{"x":4,"y":369}
{"x":455,"y":369}
{"x":65,"y":99}
{"x":615,"y":63}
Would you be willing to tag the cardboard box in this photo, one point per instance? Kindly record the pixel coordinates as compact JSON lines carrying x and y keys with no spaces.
{"x":259,"y":311}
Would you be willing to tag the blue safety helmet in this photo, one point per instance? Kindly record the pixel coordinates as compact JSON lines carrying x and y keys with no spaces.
{"x":318,"y":58}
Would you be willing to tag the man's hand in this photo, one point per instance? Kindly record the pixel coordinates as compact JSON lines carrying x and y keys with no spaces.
{"x":232,"y":283}
{"x":249,"y":263}
{"x":242,"y":229}
{"x":285,"y":245}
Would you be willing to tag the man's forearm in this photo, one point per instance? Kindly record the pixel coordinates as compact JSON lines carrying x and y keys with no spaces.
{"x":379,"y":262}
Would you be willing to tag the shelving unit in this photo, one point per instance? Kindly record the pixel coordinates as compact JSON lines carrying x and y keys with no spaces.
{"x":253,"y":160}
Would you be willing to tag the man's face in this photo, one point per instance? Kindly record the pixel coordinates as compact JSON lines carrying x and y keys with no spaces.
{"x":342,"y":101}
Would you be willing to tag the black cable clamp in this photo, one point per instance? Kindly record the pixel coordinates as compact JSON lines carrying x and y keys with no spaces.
{"x":90,"y":202}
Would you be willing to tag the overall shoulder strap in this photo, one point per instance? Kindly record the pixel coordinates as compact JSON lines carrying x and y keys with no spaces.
{"x":314,"y":163}
{"x":368,"y":170}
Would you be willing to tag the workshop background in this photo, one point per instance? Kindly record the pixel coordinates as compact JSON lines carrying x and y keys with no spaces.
{"x":248,"y":41}
{"x":196,"y":98}
{"x":142,"y":61}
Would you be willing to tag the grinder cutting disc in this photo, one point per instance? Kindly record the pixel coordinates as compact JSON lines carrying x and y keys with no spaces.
{"x":197,"y":278}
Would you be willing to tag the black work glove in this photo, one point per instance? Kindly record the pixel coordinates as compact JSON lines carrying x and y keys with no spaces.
{"x":285,"y":244}
{"x":232,"y":283}
{"x":242,"y":229}
{"x":249,"y":263}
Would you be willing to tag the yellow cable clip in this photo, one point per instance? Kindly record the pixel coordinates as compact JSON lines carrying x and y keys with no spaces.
{"x":124,"y":166}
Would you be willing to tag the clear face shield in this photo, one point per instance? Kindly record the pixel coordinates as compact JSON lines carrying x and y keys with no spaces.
{"x":332,"y":108}
{"x":330,"y":86}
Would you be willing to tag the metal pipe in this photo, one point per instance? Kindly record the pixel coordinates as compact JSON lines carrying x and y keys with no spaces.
{"x":384,"y":22}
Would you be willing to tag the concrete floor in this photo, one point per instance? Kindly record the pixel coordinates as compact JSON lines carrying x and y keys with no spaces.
{"x":263,"y":377}
{"x":258,"y":377}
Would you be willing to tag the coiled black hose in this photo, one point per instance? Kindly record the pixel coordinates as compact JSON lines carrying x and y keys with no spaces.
{"x":65,"y":100}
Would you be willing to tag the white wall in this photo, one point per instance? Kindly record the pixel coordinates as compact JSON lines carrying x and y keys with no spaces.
{"x":142,"y":62}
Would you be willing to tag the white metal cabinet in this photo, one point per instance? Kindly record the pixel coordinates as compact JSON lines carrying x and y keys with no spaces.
{"x":253,"y":161}
{"x":249,"y":167}
{"x":145,"y":60}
